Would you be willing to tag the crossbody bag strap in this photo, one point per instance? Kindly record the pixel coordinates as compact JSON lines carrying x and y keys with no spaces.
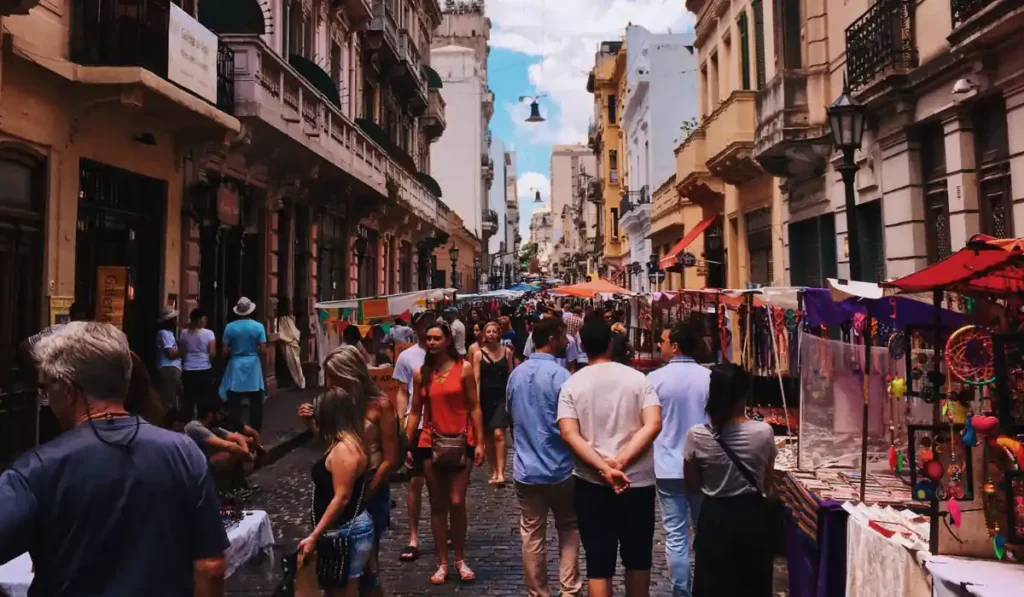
{"x":742,"y":468}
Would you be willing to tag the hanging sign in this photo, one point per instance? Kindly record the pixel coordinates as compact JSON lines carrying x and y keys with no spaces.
{"x":60,"y":309}
{"x":382,"y":376}
{"x":374,"y":308}
{"x":111,"y":294}
{"x":191,"y":55}
{"x":227,"y":205}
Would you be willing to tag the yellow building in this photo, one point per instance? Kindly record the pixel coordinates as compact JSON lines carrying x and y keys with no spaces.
{"x":674,"y":219}
{"x":716,"y":168}
{"x":604,"y":83}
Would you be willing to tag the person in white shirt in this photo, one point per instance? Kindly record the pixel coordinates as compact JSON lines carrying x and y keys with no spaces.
{"x":408,"y":363}
{"x":609,"y":415}
{"x":199,"y":346}
{"x":451,"y":315}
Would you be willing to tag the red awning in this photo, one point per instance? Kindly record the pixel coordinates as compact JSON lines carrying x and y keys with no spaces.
{"x":985,"y":265}
{"x":669,"y":260}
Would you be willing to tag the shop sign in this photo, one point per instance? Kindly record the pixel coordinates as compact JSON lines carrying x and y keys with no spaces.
{"x":111,"y":294}
{"x":383,"y":377}
{"x":702,"y":270}
{"x":191,"y":55}
{"x":60,"y":309}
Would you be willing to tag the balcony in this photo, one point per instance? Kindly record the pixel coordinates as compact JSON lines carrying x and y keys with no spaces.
{"x":594,"y":136}
{"x":489,"y":225}
{"x":635,"y":209}
{"x":382,"y":32}
{"x":358,"y":11}
{"x":595,"y":191}
{"x":279,"y":103}
{"x":693,"y":180}
{"x":730,"y":139}
{"x":984,"y":23}
{"x":488,"y":104}
{"x":880,"y":44}
{"x":412,"y":80}
{"x":487,"y":167}
{"x":786,"y":142}
{"x":434,"y":121}
{"x":102,"y":36}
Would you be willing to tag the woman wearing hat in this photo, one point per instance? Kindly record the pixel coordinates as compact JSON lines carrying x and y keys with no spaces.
{"x":244,"y":342}
{"x":168,"y":359}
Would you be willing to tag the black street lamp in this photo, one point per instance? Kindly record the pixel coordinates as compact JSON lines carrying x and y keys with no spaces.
{"x":846,"y":121}
{"x":655,"y":275}
{"x":453,"y":254}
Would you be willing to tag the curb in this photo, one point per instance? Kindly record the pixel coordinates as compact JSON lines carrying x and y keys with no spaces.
{"x":284,"y":446}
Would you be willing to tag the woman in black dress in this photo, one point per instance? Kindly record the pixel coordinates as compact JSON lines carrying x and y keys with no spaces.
{"x":492,"y":365}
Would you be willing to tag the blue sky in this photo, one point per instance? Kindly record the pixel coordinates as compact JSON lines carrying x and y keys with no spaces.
{"x":547,"y":47}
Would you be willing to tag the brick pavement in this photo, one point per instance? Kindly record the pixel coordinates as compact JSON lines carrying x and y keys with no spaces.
{"x":494,"y":543}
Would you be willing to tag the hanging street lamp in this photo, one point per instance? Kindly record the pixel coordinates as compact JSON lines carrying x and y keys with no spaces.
{"x":846,"y":121}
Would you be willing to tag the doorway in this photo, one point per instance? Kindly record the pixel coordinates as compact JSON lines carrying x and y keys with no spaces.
{"x":121,"y":225}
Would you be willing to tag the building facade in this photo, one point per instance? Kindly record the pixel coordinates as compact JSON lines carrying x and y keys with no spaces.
{"x":542,"y":234}
{"x":604,"y":140}
{"x":568,"y":164}
{"x":282,"y":158}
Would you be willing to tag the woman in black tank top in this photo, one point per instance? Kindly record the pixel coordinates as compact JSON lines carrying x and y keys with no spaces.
{"x":342,"y":539}
{"x":493,"y":364}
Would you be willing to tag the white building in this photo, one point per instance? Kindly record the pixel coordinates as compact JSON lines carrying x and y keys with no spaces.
{"x":567,"y":161}
{"x":496,"y":195}
{"x":661,"y":94}
{"x":541,"y":233}
{"x":456,"y":155}
{"x":510,"y":260}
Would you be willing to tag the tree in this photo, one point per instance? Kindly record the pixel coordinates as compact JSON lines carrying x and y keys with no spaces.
{"x":526,"y":254}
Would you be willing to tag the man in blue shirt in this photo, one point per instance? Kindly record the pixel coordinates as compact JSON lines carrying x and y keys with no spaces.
{"x":543,"y":463}
{"x":682,"y":385}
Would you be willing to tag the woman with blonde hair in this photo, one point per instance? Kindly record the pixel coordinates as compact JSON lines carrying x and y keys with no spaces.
{"x":342,"y":538}
{"x":345,"y":368}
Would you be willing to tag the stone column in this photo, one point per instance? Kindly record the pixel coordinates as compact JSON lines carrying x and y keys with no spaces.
{"x":962,"y":178}
{"x":1014,"y":97}
{"x":906,"y":249}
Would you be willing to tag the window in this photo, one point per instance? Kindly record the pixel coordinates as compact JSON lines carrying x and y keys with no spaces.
{"x":871,"y":241}
{"x":744,"y":32}
{"x":812,"y":251}
{"x":615,"y":222}
{"x":332,"y":245}
{"x":992,"y":149}
{"x":759,"y":243}
{"x":936,"y":200}
{"x":787,"y":35}
{"x":613,"y":165}
{"x":759,"y":41}
{"x":337,"y":68}
{"x":612,"y":109}
{"x":713,"y":83}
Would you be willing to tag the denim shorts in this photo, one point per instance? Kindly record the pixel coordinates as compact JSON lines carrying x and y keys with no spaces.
{"x":360,"y":542}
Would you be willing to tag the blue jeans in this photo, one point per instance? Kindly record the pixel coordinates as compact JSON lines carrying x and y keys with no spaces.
{"x":676,"y":502}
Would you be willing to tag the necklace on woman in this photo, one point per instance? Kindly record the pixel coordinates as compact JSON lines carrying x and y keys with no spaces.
{"x":442,"y":376}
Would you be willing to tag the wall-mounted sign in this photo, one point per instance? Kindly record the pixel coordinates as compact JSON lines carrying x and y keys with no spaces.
{"x":111,"y":294}
{"x":191,"y":55}
{"x":60,"y":309}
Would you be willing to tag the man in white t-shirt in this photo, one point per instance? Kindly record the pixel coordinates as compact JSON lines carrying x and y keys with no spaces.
{"x":451,"y":315}
{"x":408,"y":363}
{"x":609,"y":415}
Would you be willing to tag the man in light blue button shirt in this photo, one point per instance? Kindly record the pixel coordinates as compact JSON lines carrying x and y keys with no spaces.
{"x":543,"y":463}
{"x":682,"y":385}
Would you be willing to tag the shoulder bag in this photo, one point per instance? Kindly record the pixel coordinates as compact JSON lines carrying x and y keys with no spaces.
{"x":773,"y":509}
{"x":333,"y":557}
{"x":447,"y":450}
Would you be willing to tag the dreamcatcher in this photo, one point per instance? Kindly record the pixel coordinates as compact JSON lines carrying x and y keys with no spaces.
{"x":969,"y":356}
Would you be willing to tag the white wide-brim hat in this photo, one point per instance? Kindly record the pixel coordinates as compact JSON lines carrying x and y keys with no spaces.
{"x":166,"y":313}
{"x":244,"y":307}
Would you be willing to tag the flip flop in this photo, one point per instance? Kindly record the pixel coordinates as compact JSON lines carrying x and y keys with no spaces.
{"x":465,"y":573}
{"x":411,"y":553}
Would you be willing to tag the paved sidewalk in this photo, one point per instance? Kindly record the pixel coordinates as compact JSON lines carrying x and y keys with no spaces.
{"x":283,"y":431}
{"x":494,"y":544}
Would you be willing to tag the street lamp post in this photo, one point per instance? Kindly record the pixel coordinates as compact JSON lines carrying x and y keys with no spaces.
{"x":846,"y":121}
{"x":655,"y":274}
{"x":453,"y":254}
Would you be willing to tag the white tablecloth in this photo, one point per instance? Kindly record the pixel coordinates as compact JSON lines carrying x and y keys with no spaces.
{"x":252,"y":535}
{"x":964,"y":577}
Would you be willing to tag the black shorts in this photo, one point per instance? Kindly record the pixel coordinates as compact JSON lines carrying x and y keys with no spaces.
{"x":613,"y":524}
{"x":421,"y":455}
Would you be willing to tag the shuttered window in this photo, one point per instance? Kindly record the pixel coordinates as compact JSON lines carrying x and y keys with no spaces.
{"x":759,"y":41}
{"x":936,"y":199}
{"x":743,"y":27}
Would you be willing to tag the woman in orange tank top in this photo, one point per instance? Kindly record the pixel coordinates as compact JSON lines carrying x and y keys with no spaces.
{"x":445,"y":393}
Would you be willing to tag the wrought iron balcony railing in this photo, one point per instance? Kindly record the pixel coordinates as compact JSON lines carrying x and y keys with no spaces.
{"x":881,"y":42}
{"x":226,"y":79}
{"x":965,"y":9}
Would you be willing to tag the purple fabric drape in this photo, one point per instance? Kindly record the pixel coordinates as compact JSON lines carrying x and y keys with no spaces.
{"x":820,"y":309}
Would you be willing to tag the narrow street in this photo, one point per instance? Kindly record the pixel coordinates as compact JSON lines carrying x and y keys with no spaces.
{"x":494,"y":544}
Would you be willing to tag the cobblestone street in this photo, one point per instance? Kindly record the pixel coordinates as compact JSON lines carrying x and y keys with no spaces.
{"x":494,"y":544}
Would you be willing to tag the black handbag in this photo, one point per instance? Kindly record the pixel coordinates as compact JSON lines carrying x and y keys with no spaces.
{"x":333,"y":560}
{"x":773,"y":508}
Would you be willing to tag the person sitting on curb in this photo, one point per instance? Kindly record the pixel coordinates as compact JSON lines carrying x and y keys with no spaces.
{"x":228,"y":454}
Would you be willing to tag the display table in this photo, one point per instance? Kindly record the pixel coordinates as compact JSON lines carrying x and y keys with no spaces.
{"x":882,"y":546}
{"x":249,"y":537}
{"x":963,"y":577}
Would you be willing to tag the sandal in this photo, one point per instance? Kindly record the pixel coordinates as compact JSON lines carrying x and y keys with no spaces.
{"x":411,"y":553}
{"x":440,"y":576}
{"x":465,"y":573}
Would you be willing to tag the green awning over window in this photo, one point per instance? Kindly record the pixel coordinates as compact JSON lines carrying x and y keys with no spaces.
{"x":374,"y":132}
{"x":433,"y":79}
{"x":233,"y":16}
{"x":317,"y":76}
{"x":431,"y":184}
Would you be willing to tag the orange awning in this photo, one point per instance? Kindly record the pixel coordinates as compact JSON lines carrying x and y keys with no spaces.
{"x":669,"y":260}
{"x":590,"y":289}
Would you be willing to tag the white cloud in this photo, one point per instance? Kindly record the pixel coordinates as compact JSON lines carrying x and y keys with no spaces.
{"x":527,"y":186}
{"x":565,"y":34}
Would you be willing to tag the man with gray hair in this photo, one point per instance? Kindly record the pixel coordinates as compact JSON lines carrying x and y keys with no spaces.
{"x":114,"y":505}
